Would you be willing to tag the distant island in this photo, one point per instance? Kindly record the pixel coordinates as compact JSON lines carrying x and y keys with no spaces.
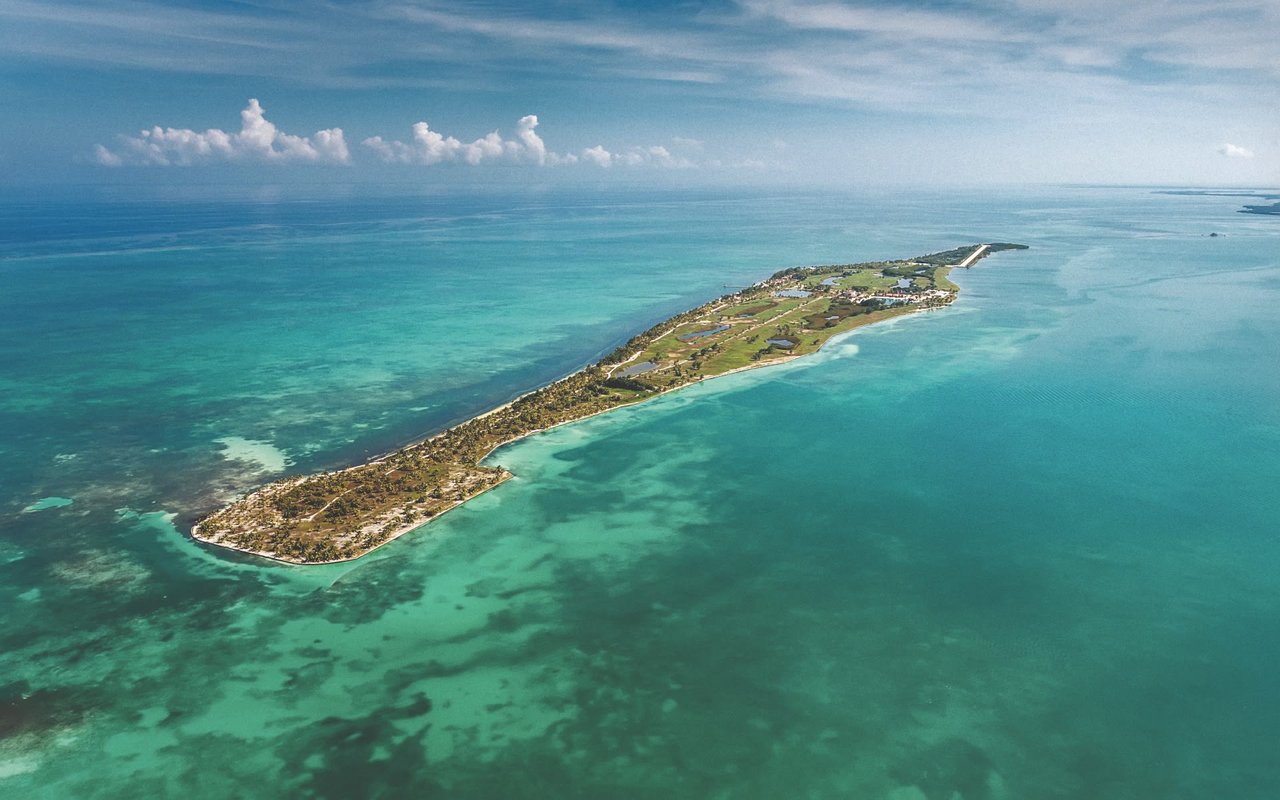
{"x":344,"y":514}
{"x":1271,"y":209}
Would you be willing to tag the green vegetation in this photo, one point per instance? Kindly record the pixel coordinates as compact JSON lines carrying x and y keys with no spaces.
{"x":343,"y":514}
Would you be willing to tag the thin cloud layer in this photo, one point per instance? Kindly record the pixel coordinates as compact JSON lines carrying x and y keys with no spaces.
{"x":1058,"y":81}
{"x":732,"y":47}
{"x":258,"y":140}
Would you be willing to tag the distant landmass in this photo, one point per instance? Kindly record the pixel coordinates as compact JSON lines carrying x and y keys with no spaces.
{"x":1272,"y":209}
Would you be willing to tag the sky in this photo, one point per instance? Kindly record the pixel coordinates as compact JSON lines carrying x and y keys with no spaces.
{"x":769,"y":92}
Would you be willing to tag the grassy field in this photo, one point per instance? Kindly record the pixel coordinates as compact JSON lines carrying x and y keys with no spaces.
{"x":757,"y":314}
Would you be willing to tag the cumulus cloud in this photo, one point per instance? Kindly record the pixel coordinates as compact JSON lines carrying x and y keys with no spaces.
{"x":432,"y":147}
{"x":598,"y":155}
{"x":653,"y":155}
{"x":105,"y":157}
{"x":1235,"y":151}
{"x":429,"y":147}
{"x":258,"y":140}
{"x":529,"y":137}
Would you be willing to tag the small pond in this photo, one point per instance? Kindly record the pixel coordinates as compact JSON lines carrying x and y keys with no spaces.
{"x":688,"y":337}
{"x":636,"y":369}
{"x":792,"y":293}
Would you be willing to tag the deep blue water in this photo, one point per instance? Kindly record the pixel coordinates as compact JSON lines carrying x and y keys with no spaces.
{"x":1025,"y":546}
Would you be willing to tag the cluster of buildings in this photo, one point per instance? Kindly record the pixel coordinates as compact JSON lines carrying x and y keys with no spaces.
{"x":895,"y":295}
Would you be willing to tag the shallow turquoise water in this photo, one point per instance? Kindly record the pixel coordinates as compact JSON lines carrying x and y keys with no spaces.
{"x":1023,"y":547}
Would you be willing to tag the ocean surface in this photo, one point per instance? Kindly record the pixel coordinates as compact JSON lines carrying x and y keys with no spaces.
{"x":1024,"y":547}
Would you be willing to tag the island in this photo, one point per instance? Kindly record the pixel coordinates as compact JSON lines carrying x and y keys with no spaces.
{"x":346,"y":513}
{"x":1272,"y":209}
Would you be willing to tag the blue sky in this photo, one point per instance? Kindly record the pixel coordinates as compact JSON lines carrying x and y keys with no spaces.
{"x":787,"y":92}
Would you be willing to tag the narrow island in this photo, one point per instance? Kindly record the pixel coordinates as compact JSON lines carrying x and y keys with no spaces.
{"x":344,"y":514}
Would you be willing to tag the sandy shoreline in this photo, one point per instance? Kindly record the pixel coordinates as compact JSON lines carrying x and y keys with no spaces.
{"x":475,"y":476}
{"x":508,"y":476}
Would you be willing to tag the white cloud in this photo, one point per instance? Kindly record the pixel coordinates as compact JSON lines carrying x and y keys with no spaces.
{"x":105,"y":157}
{"x":660,"y":155}
{"x":1216,"y":34}
{"x":428,"y":147}
{"x":532,"y":142}
{"x":865,"y":19}
{"x":490,"y":146}
{"x":527,"y":147}
{"x":653,"y":155}
{"x":331,"y":145}
{"x":1235,"y":151}
{"x":258,"y":140}
{"x":431,"y":147}
{"x":598,"y":155}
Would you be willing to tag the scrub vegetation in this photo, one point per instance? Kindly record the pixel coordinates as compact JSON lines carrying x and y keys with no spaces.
{"x":343,"y":514}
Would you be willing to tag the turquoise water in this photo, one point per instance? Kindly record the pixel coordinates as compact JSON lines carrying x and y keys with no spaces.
{"x":1021,"y":547}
